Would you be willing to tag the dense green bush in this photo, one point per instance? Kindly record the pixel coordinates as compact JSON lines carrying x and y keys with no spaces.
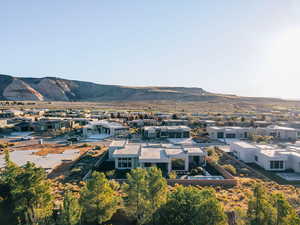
{"x":229,"y":168}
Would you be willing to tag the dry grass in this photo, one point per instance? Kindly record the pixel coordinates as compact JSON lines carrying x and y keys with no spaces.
{"x":46,"y":149}
{"x":238,"y":196}
{"x":233,"y":104}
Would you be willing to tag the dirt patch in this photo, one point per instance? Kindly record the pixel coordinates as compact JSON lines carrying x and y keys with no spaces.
{"x":46,"y":149}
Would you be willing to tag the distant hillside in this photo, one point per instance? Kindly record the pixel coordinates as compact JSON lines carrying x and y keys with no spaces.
{"x":57,"y":89}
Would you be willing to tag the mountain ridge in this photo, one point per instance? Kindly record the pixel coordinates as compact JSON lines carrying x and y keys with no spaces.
{"x":59,"y":89}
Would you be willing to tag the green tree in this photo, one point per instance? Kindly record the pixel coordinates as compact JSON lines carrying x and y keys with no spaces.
{"x":137,"y":204}
{"x":190,"y":206}
{"x":293,"y":219}
{"x":260,"y":209}
{"x":7,"y":181}
{"x":211,"y":212}
{"x":99,"y":199}
{"x":70,"y":212}
{"x":285,"y":215}
{"x":157,"y":190}
{"x":10,"y":172}
{"x":32,"y":195}
{"x":146,"y":191}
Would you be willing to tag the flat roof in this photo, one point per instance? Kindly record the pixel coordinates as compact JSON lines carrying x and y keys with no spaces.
{"x":274,"y":153}
{"x":148,"y":153}
{"x":229,"y":128}
{"x":156,"y":151}
{"x":167,"y":128}
{"x":174,"y":151}
{"x":107,"y":124}
{"x":118,"y":143}
{"x":194,"y":150}
{"x":244,"y":144}
{"x":276,"y":127}
{"x":129,"y":149}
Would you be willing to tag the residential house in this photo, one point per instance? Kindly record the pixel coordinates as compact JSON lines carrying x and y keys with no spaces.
{"x":143,"y":122}
{"x":167,"y":157}
{"x":106,"y":127}
{"x":224,"y":133}
{"x":279,"y":133}
{"x":45,"y":125}
{"x":175,"y":122}
{"x":152,"y":132}
{"x":207,"y":123}
{"x":269,"y":157}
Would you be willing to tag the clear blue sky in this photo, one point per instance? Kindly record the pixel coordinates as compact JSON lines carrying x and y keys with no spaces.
{"x":244,"y":47}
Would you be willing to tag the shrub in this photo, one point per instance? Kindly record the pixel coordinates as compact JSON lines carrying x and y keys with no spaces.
{"x":110,"y":173}
{"x":210,"y":151}
{"x":172,"y":175}
{"x":3,"y":145}
{"x":85,"y":145}
{"x":97,"y":147}
{"x":229,"y":168}
{"x":197,"y":171}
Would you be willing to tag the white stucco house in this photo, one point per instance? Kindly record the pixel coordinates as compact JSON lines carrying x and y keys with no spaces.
{"x":168,"y":157}
{"x":105,"y":127}
{"x":223,"y":133}
{"x":156,"y":132}
{"x":269,"y":157}
{"x":241,"y":133}
{"x":279,"y":132}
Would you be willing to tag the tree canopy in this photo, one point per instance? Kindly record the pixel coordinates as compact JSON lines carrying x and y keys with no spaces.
{"x":146,"y":191}
{"x":191,"y":206}
{"x":99,"y":199}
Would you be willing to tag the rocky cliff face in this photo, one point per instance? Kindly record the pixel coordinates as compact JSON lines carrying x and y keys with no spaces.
{"x":56,"y":89}
{"x":52,"y":91}
{"x":19,"y":91}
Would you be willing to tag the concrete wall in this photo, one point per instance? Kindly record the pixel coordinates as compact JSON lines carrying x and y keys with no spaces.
{"x":242,"y":153}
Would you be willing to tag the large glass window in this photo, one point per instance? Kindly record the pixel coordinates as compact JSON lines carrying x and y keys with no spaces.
{"x":186,"y":134}
{"x":178,"y":164}
{"x":124,"y":163}
{"x":230,"y":135}
{"x":220,"y":135}
{"x":276,"y":164}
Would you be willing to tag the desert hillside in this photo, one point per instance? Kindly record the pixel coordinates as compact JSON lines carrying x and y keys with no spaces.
{"x":57,"y":89}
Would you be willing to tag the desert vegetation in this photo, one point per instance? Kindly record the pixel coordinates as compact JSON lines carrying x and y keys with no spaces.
{"x":28,"y":197}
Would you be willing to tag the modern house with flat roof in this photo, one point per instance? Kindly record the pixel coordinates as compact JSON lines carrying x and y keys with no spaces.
{"x":105,"y":127}
{"x":224,"y":133}
{"x":269,"y":157}
{"x":143,"y":122}
{"x":174,"y":122}
{"x":241,"y":133}
{"x":167,"y":157}
{"x":153,"y":132}
{"x":279,"y":132}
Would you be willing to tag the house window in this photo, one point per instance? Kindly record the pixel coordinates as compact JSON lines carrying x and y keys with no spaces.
{"x":124,"y":163}
{"x":256,"y":158}
{"x":220,"y":135}
{"x":230,"y":135}
{"x":276,"y":164}
{"x":186,"y":134}
{"x":178,"y":164}
{"x":147,"y":164}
